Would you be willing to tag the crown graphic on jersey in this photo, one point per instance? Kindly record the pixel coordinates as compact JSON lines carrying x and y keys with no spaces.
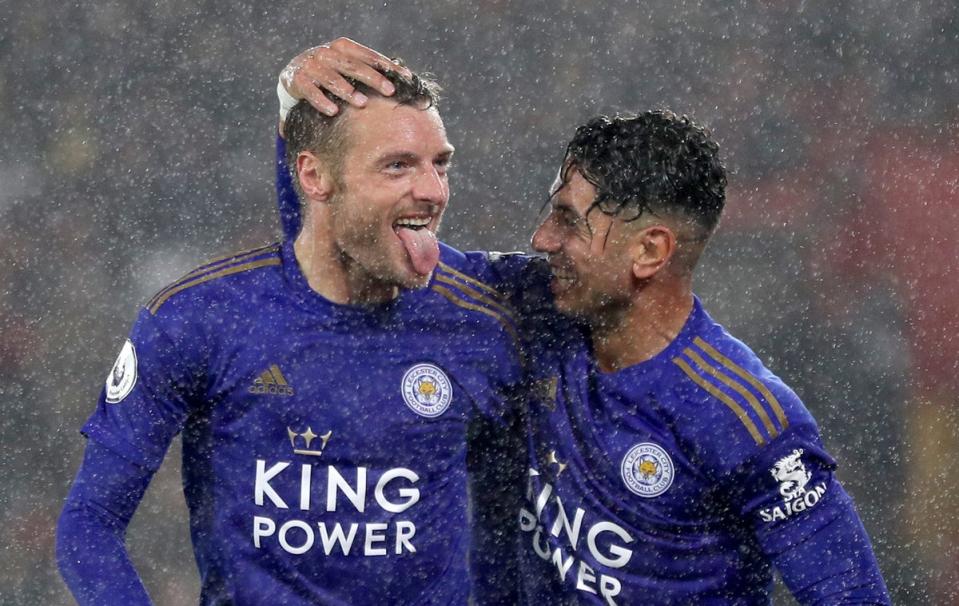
{"x":305,"y":443}
{"x":271,"y":382}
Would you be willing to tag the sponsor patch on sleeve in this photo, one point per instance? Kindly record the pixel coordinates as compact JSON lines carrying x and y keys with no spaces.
{"x":795,"y":489}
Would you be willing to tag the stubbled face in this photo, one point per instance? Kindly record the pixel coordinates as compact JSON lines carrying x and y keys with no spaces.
{"x":589,"y":260}
{"x":393,"y":189}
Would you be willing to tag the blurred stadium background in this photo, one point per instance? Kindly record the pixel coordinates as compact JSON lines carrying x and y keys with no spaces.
{"x":138,"y":141}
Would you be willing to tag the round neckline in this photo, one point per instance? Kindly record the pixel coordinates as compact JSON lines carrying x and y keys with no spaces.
{"x":316,"y":302}
{"x":685,"y":336}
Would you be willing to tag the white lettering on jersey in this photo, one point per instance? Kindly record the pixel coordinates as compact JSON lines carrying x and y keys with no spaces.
{"x":585,"y":577}
{"x":793,"y":477}
{"x":394,"y":492}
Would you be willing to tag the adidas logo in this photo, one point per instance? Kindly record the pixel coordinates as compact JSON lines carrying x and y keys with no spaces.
{"x":271,"y":381}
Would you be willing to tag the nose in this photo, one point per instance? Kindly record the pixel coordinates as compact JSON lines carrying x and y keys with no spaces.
{"x":545,"y":238}
{"x":431,"y":186}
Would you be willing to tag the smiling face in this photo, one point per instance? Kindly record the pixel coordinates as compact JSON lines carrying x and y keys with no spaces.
{"x":589,"y":259}
{"x":391,"y":192}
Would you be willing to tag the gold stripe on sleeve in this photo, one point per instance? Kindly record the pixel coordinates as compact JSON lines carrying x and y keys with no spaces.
{"x":753,"y":401}
{"x":489,"y":289}
{"x":213,"y":265}
{"x":725,"y":399}
{"x":223,"y":272}
{"x":480,"y":297}
{"x":452,"y":298}
{"x":773,"y":402}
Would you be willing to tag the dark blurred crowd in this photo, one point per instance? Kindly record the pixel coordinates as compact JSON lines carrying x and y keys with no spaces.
{"x":138,"y":141}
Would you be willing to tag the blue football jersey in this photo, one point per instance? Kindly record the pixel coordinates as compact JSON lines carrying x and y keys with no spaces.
{"x":324,"y":446}
{"x":684,"y":479}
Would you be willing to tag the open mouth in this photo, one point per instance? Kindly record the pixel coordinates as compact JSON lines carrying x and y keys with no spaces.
{"x":414,"y":223}
{"x":561,"y":273}
{"x":420,"y":242}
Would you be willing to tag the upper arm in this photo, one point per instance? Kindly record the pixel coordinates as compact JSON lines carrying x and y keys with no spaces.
{"x":148,"y":394}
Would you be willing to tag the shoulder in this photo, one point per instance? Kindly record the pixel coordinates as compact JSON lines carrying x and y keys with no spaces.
{"x":233,"y":276}
{"x":729,"y":405}
{"x":496,"y":269}
{"x":466,"y":285}
{"x":521,"y":279}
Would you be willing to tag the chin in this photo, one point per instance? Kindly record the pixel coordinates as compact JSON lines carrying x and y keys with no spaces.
{"x":418,"y":282}
{"x":410,"y":280}
{"x":571,"y":306}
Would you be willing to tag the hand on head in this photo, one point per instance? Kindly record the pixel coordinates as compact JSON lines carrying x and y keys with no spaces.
{"x":322,"y":73}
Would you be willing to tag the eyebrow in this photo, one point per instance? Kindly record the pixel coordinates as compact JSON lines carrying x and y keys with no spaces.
{"x":566,"y":208}
{"x":412,"y":157}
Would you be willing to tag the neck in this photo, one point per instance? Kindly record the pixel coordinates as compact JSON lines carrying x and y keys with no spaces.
{"x":644,"y":328}
{"x":334,"y":275}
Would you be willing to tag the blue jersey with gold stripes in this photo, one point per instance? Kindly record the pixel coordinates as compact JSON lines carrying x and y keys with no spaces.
{"x":681,"y":480}
{"x":324,"y":446}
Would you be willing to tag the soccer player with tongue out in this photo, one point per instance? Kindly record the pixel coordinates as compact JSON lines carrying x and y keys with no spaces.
{"x":328,"y":388}
{"x":373,"y":204}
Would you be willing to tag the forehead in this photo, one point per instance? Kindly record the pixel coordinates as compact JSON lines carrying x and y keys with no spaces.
{"x":576,"y":193}
{"x":384,"y":127}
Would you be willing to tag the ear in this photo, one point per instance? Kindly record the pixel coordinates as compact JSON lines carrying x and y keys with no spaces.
{"x":316,"y":181}
{"x":652,"y":249}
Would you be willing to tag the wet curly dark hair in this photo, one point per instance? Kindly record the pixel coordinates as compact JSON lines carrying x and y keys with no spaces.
{"x":655,"y":162}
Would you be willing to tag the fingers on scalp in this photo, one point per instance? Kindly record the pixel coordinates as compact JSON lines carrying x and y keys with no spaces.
{"x":386,"y":64}
{"x":366,"y":74}
{"x":320,"y":101}
{"x":339,"y":87}
{"x":369,"y":56}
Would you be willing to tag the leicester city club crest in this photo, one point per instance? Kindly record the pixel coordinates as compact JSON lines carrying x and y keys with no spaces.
{"x":427,"y":390}
{"x":647,"y":470}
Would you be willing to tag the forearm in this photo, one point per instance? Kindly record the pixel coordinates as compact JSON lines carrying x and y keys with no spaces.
{"x":496,"y":472}
{"x":91,"y":553}
{"x":286,"y":198}
{"x":835,"y":564}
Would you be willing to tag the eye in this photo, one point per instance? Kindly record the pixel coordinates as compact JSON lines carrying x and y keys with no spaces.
{"x":566,"y":218}
{"x":396,"y":167}
{"x":443,"y":165}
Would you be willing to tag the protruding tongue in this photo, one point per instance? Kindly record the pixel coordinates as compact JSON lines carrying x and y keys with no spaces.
{"x":422,"y":247}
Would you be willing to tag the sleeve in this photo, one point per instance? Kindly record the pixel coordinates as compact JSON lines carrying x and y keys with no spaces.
{"x":524,"y":281}
{"x":146,"y":399}
{"x":805,"y":523}
{"x":143,"y":405}
{"x":496,"y":461}
{"x":90,"y":533}
{"x":287,"y":200}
